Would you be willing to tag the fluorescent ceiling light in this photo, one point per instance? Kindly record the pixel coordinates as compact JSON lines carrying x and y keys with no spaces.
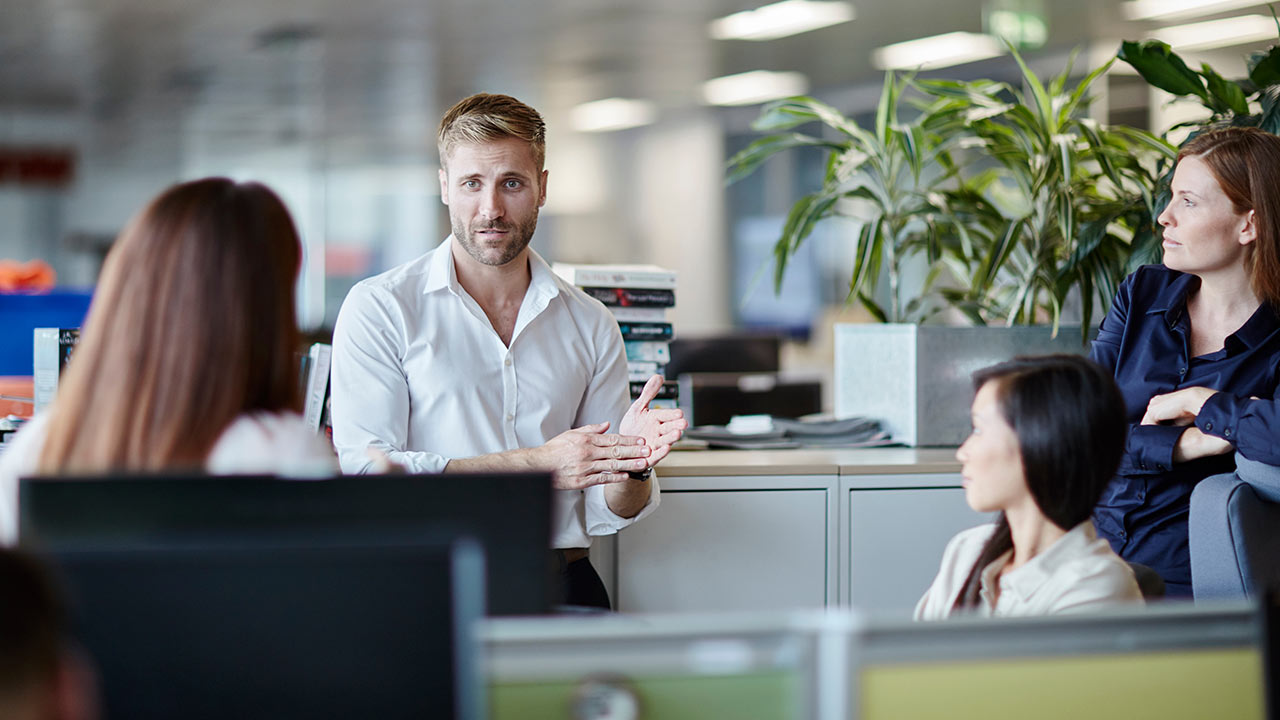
{"x":780,"y":19}
{"x":753,"y":87}
{"x":937,"y":51}
{"x":612,"y":114}
{"x":1218,"y":33}
{"x":1178,"y":9}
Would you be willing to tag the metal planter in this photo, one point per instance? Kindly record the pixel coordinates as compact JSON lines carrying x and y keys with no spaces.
{"x":915,"y":379}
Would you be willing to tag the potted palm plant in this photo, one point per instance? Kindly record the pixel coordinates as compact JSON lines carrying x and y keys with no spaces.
{"x":1058,"y":203}
{"x":1018,"y":203}
{"x":887,"y":176}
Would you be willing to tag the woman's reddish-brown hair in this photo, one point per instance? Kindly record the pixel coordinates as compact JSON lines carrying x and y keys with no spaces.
{"x":1246,"y":163}
{"x":192,"y":324}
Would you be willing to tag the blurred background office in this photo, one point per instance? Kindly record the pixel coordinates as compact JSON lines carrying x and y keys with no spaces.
{"x":335,"y":104}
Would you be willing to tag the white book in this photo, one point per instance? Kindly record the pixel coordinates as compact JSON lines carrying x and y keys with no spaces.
{"x":317,"y":384}
{"x":51,"y":351}
{"x":616,"y":276}
{"x":640,"y":314}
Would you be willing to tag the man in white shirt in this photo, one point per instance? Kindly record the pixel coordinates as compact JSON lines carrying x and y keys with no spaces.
{"x":476,"y":357}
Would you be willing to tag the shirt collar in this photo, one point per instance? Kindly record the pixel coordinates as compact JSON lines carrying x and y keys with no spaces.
{"x":1172,"y":303}
{"x":1172,"y":299}
{"x":1030,"y":577}
{"x":442,"y":274}
{"x":542,"y":283}
{"x":1260,"y":326}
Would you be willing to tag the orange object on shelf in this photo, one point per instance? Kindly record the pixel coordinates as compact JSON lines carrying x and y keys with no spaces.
{"x":16,"y":386}
{"x":33,"y":276}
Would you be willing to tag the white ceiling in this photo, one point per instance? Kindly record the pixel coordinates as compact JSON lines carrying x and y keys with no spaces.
{"x":380,"y":69}
{"x":369,"y":78}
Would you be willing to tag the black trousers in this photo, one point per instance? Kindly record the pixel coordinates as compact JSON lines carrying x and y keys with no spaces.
{"x":581,"y":586}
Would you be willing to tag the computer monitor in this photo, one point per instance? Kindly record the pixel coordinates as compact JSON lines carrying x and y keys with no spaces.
{"x":1168,"y":662}
{"x":733,"y":353}
{"x":280,"y":625}
{"x":674,"y":667}
{"x":508,"y":514}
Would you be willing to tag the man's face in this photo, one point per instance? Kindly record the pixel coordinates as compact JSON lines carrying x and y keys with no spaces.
{"x":493,"y":191}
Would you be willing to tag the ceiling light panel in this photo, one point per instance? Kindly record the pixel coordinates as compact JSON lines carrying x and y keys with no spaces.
{"x":754,"y":87}
{"x":781,"y":19}
{"x":938,"y":51}
{"x":1212,"y":34}
{"x":1180,"y":9}
{"x":612,"y":114}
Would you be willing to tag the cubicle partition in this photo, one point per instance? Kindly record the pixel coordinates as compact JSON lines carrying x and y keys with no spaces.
{"x":677,"y":667}
{"x":1168,"y":661}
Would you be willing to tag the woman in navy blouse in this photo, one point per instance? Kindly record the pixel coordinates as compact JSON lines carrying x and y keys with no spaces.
{"x":1195,"y":347}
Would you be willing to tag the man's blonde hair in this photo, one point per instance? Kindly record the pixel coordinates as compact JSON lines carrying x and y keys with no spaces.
{"x":485,"y":117}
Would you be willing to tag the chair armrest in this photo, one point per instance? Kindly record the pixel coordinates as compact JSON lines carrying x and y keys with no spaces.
{"x":1263,"y":478}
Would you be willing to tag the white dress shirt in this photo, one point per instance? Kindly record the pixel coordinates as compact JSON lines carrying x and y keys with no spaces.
{"x":254,"y":443}
{"x":1078,"y":573}
{"x":420,"y":374}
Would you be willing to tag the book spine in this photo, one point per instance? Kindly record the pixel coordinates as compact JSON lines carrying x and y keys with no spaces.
{"x":586,"y":276}
{"x":639,"y":351}
{"x":645,"y":330}
{"x":643,"y":370}
{"x":632,"y":297}
{"x":639,"y":314}
{"x":668,"y":391}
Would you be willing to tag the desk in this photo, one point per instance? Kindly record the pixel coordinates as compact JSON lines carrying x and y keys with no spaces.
{"x":785,"y":529}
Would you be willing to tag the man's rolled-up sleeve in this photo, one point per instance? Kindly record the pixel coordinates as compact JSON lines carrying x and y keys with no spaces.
{"x":607,"y":398}
{"x":369,"y":391}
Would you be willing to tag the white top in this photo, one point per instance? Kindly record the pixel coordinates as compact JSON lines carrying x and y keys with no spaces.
{"x":1078,"y":573}
{"x":254,"y":443}
{"x":420,"y":374}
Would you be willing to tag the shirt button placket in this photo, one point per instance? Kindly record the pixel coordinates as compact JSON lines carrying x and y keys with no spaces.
{"x":509,"y":400}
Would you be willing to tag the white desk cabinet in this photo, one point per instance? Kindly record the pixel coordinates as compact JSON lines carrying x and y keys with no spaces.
{"x":746,"y":544}
{"x":897,"y":529}
{"x":771,"y":530}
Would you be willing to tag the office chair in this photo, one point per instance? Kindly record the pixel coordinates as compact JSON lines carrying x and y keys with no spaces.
{"x":1235,"y":532}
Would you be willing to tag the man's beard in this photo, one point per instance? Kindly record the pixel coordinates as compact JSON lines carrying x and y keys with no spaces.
{"x":517,"y":241}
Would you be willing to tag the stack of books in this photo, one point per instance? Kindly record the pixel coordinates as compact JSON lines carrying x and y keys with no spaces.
{"x":639,"y":296}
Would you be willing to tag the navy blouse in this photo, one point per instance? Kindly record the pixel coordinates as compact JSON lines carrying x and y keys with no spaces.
{"x":1145,"y":341}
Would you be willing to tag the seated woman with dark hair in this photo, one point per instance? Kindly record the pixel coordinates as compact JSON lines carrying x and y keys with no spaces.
{"x":187,"y":359}
{"x":1047,"y":437}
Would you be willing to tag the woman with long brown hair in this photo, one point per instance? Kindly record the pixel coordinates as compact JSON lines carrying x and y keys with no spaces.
{"x":1194,"y":345}
{"x":186,"y":360}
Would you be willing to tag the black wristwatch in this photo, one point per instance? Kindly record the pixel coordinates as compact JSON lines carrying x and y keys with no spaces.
{"x":641,"y":475}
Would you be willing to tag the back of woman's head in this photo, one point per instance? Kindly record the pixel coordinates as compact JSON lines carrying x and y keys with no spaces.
{"x":1069,"y":418}
{"x":1246,"y":163}
{"x":192,"y":324}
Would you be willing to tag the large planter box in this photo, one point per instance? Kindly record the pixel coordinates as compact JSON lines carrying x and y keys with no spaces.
{"x":916,"y":379}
